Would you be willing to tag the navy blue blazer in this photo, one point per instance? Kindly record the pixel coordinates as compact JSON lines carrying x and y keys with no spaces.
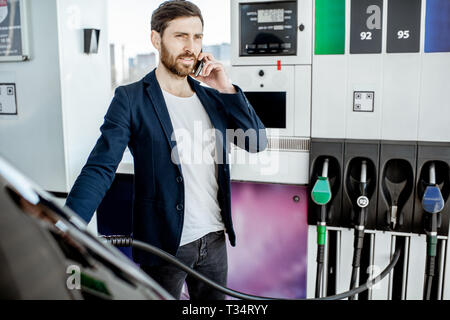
{"x":138,"y":117}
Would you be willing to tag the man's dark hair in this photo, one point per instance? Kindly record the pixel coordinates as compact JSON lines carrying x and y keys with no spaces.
{"x":170,"y":10}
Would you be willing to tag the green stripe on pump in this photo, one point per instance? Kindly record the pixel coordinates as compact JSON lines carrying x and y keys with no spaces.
{"x":329,"y":26}
{"x":321,"y":192}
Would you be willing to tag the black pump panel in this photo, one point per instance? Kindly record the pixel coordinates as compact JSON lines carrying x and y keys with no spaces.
{"x":439,"y":154}
{"x":355,"y":152}
{"x":396,"y":186}
{"x":334,"y":151}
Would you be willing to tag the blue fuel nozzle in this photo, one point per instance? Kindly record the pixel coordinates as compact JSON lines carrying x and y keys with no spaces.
{"x":432,"y":201}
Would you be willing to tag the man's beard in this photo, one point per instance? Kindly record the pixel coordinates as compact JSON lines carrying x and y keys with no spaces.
{"x":171,"y":62}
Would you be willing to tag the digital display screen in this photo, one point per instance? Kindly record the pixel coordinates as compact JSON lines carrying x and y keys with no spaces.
{"x":270,"y":107}
{"x":270,"y":15}
{"x":268,"y":28}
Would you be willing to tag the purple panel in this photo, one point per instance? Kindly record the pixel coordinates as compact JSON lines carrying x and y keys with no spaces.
{"x":271,"y":228}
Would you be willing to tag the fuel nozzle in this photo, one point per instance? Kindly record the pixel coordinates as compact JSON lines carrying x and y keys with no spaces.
{"x":362,"y":202}
{"x":395,"y":185}
{"x":321,"y":192}
{"x":321,"y":195}
{"x":432,"y":203}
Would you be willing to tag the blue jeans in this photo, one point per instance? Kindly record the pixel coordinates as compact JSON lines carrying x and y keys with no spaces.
{"x":208,"y":256}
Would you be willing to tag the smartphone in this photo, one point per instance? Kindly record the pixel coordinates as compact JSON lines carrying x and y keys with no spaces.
{"x":198,"y":67}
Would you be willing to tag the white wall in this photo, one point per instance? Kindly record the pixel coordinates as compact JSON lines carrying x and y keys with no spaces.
{"x":33,"y":140}
{"x":434,"y":113}
{"x":85,"y":79}
{"x":62,"y":93}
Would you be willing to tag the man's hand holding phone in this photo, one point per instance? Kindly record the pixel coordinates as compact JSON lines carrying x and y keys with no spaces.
{"x":213,"y":74}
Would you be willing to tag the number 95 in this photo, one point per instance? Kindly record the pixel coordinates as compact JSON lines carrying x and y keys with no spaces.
{"x":403,"y":34}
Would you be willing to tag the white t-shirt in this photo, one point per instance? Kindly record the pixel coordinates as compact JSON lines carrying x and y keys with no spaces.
{"x":196,"y":143}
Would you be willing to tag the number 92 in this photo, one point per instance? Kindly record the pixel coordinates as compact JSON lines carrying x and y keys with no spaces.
{"x":366,"y":35}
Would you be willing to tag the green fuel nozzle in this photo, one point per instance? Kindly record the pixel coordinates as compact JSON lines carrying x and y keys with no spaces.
{"x":321,"y":192}
{"x":321,"y":195}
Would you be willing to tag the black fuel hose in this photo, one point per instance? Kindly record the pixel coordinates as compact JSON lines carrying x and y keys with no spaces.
{"x":319,"y":272}
{"x":431,"y":258}
{"x":122,"y":241}
{"x":357,"y":251}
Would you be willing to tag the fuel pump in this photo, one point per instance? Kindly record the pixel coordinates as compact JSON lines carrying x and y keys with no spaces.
{"x":321,"y":195}
{"x":432,"y":203}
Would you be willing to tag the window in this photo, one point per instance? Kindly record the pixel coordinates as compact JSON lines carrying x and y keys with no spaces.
{"x":132,"y":53}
